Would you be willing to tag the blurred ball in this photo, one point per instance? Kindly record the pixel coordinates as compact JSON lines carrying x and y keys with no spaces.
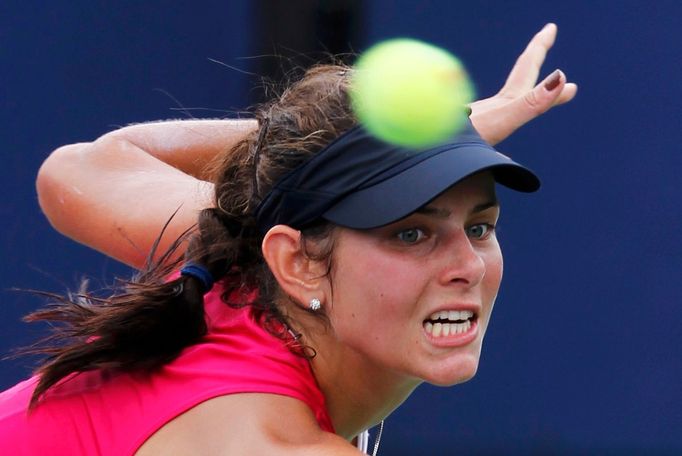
{"x":410,"y":93}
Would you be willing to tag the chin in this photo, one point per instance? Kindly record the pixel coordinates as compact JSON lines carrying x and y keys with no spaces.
{"x":461,"y":371}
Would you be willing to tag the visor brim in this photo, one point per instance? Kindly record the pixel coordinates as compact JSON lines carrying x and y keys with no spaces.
{"x":398,"y":196}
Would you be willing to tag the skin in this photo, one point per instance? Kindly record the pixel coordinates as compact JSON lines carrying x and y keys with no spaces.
{"x":364,"y":369}
{"x":384,"y":284}
{"x":425,"y":263}
{"x":521,"y":99}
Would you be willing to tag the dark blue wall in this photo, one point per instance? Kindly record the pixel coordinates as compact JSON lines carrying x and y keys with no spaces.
{"x":583,"y":353}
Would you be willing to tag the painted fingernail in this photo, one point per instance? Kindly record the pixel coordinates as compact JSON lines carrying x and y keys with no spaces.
{"x":553,"y":80}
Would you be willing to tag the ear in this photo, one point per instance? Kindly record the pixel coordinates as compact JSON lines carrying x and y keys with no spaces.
{"x":300,"y":277}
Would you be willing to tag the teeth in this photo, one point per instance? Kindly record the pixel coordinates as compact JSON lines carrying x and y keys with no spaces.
{"x":452,"y":315}
{"x":455,"y":315}
{"x":446,"y":329}
{"x":437,"y":328}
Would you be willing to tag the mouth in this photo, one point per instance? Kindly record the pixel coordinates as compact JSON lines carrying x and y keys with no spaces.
{"x":448,"y":323}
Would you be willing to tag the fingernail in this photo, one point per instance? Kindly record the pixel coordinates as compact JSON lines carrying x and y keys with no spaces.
{"x":553,"y":80}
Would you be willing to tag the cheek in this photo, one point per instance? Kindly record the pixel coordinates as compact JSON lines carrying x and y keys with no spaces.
{"x":494,"y":269}
{"x":491,"y":282}
{"x":373,"y":287}
{"x":494,"y":265}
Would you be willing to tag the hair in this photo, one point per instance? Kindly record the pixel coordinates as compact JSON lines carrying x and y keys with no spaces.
{"x":150,"y":319}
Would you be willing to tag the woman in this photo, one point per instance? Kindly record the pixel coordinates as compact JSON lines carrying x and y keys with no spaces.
{"x":352,"y":271}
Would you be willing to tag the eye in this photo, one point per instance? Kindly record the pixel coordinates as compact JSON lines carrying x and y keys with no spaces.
{"x":480,"y":231}
{"x":411,"y":235}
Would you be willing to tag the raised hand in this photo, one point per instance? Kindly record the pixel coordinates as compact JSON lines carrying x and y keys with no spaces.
{"x":520,"y":99}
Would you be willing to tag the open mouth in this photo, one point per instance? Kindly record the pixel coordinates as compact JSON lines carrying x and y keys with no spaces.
{"x":449,"y":322}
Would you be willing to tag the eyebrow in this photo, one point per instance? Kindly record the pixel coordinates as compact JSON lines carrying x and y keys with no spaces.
{"x":444,"y":213}
{"x":487,"y":205}
{"x":434,"y":212}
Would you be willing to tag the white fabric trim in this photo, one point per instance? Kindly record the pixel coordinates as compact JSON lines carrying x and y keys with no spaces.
{"x":363,"y":441}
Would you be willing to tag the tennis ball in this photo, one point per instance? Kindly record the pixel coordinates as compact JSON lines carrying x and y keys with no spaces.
{"x":410,"y":93}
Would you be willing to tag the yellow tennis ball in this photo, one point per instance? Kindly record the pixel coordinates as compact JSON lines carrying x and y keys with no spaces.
{"x":410,"y":93}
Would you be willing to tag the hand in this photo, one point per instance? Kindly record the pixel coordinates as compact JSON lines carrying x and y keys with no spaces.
{"x":520,"y":100}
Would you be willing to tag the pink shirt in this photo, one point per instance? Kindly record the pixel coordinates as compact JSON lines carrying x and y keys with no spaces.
{"x":97,"y":414}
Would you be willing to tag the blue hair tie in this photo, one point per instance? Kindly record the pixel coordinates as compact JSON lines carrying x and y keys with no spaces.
{"x":200,"y":273}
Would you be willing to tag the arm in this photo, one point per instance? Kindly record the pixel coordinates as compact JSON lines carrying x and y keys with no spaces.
{"x":116,"y":193}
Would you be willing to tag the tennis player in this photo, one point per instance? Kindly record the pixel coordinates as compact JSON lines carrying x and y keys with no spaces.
{"x":329,"y":274}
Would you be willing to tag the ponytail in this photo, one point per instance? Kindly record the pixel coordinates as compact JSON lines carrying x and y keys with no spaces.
{"x":148,"y":322}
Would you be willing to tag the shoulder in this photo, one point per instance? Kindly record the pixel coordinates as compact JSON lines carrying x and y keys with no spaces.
{"x":246,"y":423}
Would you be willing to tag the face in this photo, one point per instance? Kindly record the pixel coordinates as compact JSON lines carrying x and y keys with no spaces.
{"x":414,"y":298}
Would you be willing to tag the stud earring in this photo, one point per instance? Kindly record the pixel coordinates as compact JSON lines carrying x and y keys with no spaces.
{"x":314,"y":304}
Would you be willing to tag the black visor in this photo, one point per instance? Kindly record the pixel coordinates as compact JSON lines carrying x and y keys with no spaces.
{"x":361,"y":182}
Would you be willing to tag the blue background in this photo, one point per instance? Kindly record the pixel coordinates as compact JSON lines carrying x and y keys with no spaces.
{"x":583,"y":354}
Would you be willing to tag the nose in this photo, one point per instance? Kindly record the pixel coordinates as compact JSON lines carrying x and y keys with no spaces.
{"x":464,"y":264}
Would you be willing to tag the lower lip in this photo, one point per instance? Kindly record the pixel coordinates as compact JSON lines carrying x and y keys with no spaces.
{"x":454,"y":340}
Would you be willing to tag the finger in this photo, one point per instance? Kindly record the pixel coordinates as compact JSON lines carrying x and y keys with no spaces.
{"x":502,"y":120}
{"x":544,"y":95}
{"x":527,"y":107}
{"x":526,"y":70}
{"x":567,"y":94}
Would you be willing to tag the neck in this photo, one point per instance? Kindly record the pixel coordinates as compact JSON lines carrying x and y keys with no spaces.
{"x":358,"y":394}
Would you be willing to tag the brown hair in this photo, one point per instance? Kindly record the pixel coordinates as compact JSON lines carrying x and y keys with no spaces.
{"x":150,"y":319}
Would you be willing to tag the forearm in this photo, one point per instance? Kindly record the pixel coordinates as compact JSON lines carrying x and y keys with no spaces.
{"x":188,"y":145}
{"x":117,"y":206}
{"x":116,"y":193}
